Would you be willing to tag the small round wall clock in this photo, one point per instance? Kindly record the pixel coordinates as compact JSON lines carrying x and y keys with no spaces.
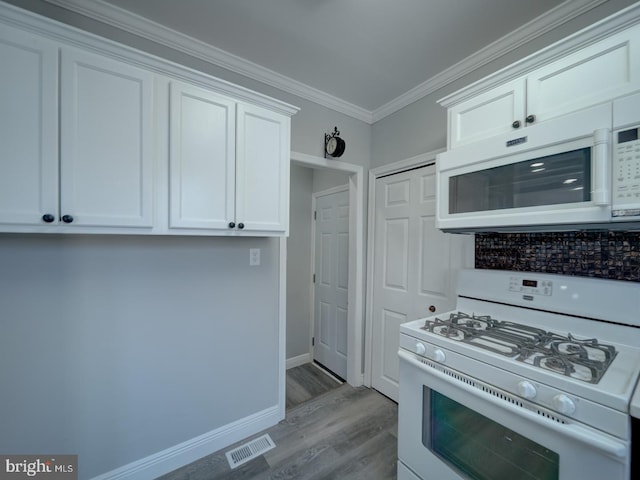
{"x":334,"y":145}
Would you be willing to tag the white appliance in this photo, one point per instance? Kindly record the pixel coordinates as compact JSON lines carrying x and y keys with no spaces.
{"x":531,"y":377}
{"x":581,"y":170}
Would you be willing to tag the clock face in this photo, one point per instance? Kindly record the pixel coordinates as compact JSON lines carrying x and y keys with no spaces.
{"x":332,"y":145}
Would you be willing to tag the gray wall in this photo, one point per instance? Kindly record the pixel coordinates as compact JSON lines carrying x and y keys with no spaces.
{"x":422,"y":126}
{"x":116,"y":348}
{"x":299,"y":263}
{"x":141,"y":343}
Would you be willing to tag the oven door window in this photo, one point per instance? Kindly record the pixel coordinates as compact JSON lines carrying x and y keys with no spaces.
{"x":553,"y":180}
{"x":479,"y":448}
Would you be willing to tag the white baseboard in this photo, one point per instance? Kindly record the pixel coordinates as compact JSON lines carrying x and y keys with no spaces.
{"x":184,"y":453}
{"x":299,"y":360}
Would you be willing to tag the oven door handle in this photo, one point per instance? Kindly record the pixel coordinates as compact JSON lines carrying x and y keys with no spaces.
{"x":599,"y":441}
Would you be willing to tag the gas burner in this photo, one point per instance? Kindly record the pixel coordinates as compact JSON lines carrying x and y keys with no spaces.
{"x":584,"y":360}
{"x":559,"y":364}
{"x":447,"y":330}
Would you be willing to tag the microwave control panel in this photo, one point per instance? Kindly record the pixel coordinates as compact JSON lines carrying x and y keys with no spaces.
{"x":626,"y":173}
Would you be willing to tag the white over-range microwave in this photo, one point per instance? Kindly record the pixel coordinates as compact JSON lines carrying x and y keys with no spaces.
{"x":579,"y":171}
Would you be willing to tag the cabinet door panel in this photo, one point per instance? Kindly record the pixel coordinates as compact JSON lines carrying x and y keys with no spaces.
{"x":262,"y":170}
{"x":595,"y":74}
{"x":202,"y":159}
{"x":488,"y":114}
{"x":106,"y":134}
{"x":28,"y":128}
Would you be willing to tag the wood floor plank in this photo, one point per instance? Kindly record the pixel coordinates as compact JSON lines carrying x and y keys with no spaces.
{"x":345,"y":433}
{"x":307,"y":381}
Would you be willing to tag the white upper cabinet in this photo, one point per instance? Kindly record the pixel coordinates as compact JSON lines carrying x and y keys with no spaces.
{"x":201,"y":159}
{"x":487,"y":114}
{"x":106,"y":163}
{"x":601,"y":72}
{"x":228,"y":165}
{"x":262,"y":170}
{"x":97,"y":137}
{"x":592,"y":75}
{"x":28,"y":128}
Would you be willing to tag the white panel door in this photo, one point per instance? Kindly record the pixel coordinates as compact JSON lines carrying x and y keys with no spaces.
{"x":415,"y":266}
{"x":202,"y":159}
{"x":262,"y":170}
{"x":332,"y":280}
{"x":105,"y":140}
{"x":28,"y":128}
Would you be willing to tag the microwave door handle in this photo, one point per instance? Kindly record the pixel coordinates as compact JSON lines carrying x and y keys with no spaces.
{"x":601,"y":167}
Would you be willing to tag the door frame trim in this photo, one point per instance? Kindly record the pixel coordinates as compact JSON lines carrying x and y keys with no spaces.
{"x":314,"y":199}
{"x":375,"y":173}
{"x":355,"y":328}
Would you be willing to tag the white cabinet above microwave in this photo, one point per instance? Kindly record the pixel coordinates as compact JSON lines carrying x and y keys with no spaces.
{"x":597,"y":73}
{"x":568,"y":173}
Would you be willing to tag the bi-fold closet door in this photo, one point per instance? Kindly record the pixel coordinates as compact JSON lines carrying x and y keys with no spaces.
{"x":414,"y":266}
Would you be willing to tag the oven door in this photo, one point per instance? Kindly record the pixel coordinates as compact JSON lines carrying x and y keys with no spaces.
{"x":451,"y":427}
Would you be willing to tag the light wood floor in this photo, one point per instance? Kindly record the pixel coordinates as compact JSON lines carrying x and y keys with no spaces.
{"x":345,"y":433}
{"x":306,"y":382}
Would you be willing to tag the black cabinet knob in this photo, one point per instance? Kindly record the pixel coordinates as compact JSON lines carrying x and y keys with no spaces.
{"x":241,"y":226}
{"x":67,"y":218}
{"x":232,"y":225}
{"x":48,"y":218}
{"x":516,"y":124}
{"x":530,"y":118}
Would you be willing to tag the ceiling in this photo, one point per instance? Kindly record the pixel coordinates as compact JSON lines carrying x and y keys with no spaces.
{"x":364,"y":54}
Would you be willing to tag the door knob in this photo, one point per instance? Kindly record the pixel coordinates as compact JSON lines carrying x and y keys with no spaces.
{"x":67,"y":218}
{"x":48,"y":218}
{"x":516,"y":124}
{"x":241,"y":226}
{"x":530,"y":118}
{"x":232,"y":225}
{"x":432,"y":308}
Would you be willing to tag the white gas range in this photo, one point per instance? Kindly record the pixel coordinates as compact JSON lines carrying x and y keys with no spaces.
{"x":530,"y":377}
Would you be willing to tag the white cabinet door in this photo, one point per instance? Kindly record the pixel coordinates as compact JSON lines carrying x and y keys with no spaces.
{"x":105,"y":142}
{"x":487,"y":114}
{"x":262,"y":170}
{"x":592,"y":75}
{"x":28,"y":128}
{"x":202,"y":159}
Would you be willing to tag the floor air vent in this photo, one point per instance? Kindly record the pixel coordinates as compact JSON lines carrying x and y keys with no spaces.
{"x":249,"y":451}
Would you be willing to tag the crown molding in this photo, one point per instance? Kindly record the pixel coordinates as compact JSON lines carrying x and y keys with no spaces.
{"x":145,"y":28}
{"x":14,"y":16}
{"x":600,"y":30}
{"x":150,"y":30}
{"x":539,"y":26}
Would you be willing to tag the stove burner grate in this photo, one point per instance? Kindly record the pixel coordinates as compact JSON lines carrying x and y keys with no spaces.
{"x":585,"y":360}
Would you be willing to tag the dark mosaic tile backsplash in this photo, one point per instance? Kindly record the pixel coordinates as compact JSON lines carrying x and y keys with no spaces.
{"x":602,"y":254}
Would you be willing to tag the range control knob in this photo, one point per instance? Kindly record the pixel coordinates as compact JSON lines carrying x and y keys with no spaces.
{"x":527,"y":389}
{"x":564,"y":404}
{"x":420,"y":348}
{"x":439,"y":356}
